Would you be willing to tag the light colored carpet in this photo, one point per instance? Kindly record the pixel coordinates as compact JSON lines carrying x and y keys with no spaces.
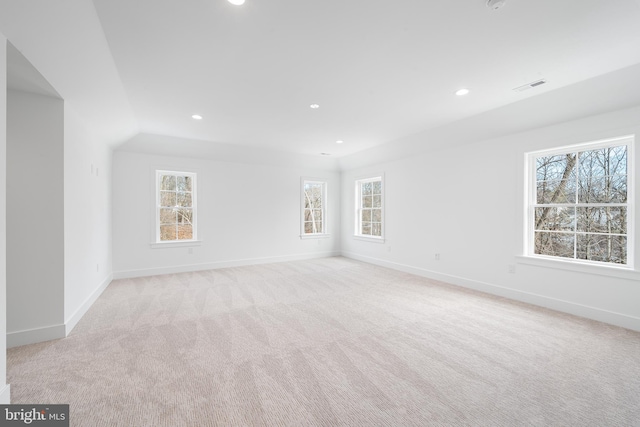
{"x":328,"y":342}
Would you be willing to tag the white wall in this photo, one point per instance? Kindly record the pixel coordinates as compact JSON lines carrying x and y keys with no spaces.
{"x":437,"y":202}
{"x":5,"y":397}
{"x":35,"y":217}
{"x":87,"y":217}
{"x":247,"y":213}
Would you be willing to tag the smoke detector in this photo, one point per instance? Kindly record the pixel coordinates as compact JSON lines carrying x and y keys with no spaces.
{"x":495,"y":4}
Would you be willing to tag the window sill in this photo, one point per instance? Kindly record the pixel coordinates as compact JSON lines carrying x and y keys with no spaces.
{"x":369,"y":238}
{"x":176,"y":244}
{"x":620,"y":272}
{"x":315,"y":236}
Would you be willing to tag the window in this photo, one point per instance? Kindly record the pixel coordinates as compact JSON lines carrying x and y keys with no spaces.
{"x":369,"y":207}
{"x":579,"y":204}
{"x":175,"y":206}
{"x":314,"y":208}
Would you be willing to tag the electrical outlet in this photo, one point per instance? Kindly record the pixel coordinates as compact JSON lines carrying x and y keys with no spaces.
{"x":389,"y":248}
{"x":190,"y":251}
{"x":511,"y":268}
{"x":97,"y":268}
{"x":436,"y":257}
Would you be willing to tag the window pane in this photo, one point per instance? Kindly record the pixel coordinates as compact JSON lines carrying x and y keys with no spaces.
{"x":184,"y":199}
{"x":555,"y":168}
{"x":184,"y":183}
{"x":377,"y":187}
{"x":313,"y":195}
{"x":168,"y":216}
{"x":308,"y":227}
{"x":167,"y":232}
{"x":366,"y":229}
{"x":606,"y":189}
{"x":376,"y":229}
{"x":367,"y":188}
{"x":185,"y":216}
{"x":366,"y":215}
{"x":167,"y":182}
{"x":558,"y":219}
{"x":377,"y":201}
{"x":167,"y":198}
{"x":554,"y":244}
{"x":185,"y":232}
{"x":367,"y":201}
{"x":560,"y":191}
{"x":319,"y":226}
{"x":376,"y":215}
{"x":607,"y":219}
{"x":604,"y":248}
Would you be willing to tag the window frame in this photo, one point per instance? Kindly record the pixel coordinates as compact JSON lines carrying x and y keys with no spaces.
{"x":325,"y":230}
{"x":194,"y":208}
{"x":531,"y":202}
{"x":358,"y":208}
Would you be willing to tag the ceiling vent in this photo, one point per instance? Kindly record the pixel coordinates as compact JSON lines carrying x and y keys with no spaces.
{"x":495,"y":4}
{"x":530,"y":85}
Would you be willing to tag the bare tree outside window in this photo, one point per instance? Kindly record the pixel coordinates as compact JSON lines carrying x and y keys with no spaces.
{"x":369,"y":202}
{"x":175,"y":206}
{"x":580,"y":209}
{"x":314,"y":209}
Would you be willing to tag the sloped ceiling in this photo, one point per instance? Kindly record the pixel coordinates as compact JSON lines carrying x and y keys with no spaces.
{"x":380,"y":70}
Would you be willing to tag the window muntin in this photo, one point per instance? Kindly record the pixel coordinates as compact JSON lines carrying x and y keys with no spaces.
{"x":314,"y":208}
{"x":579,"y":203}
{"x":175,"y":206}
{"x":369,"y":207}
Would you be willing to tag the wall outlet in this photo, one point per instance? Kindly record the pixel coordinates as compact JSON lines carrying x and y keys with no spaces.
{"x":511,"y":268}
{"x":190,"y":251}
{"x":436,"y":257}
{"x":389,"y":248}
{"x":97,"y":268}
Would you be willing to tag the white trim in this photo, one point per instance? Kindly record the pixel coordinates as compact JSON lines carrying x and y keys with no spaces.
{"x":31,"y":336}
{"x":315,"y":236}
{"x":129,"y":274}
{"x":5,"y":395}
{"x":530,"y":197}
{"x":175,"y":244}
{"x":601,"y":269}
{"x":366,"y":238}
{"x":73,"y":320}
{"x":325,"y":198}
{"x":358,"y":181}
{"x":194,"y":202}
{"x":613,"y":318}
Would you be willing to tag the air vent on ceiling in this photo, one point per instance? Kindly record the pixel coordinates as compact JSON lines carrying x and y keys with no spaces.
{"x":530,"y":85}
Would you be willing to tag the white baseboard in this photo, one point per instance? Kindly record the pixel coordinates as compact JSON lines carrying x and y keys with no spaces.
{"x":72,"y":321}
{"x":618,"y":319}
{"x":48,"y":333}
{"x":5,"y":395}
{"x":31,"y":336}
{"x":128,"y":274}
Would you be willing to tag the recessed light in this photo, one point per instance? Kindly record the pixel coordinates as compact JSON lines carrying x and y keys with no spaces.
{"x":196,"y":117}
{"x":339,"y":141}
{"x":314,"y":106}
{"x":461,"y":92}
{"x":237,"y":2}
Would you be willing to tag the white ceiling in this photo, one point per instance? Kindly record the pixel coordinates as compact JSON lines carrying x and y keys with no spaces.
{"x":380,"y":70}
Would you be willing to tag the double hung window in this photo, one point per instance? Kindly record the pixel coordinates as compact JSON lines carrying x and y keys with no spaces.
{"x":579,"y":202}
{"x":175,"y":206}
{"x":369,"y":208}
{"x":314,"y":208}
